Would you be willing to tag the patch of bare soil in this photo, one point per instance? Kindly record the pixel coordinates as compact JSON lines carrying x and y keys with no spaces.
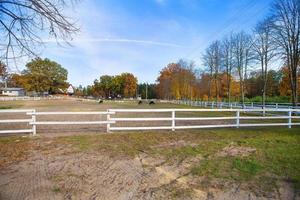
{"x":232,"y":150}
{"x":60,"y":173}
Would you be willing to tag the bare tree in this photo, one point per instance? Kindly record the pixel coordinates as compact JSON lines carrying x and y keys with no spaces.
{"x":188,"y":78}
{"x":212,"y":59}
{"x":286,"y":14}
{"x":242,"y":54}
{"x":208,"y":62}
{"x":3,"y":73}
{"x":228,"y":62}
{"x":264,"y":49}
{"x":23,"y":24}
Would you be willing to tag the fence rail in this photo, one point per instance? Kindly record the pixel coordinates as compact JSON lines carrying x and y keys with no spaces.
{"x":249,"y":105}
{"x":27,"y":98}
{"x":113,"y":120}
{"x":174,"y":119}
{"x":33,"y":120}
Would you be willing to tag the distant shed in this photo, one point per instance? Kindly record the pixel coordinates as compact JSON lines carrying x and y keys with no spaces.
{"x":70,"y":90}
{"x":16,"y":92}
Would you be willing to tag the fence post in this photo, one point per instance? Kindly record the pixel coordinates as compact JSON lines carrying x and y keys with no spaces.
{"x":238,"y":119}
{"x":108,"y":121}
{"x":173,"y":120}
{"x":276,"y":105}
{"x":33,"y":116}
{"x":290,"y":119}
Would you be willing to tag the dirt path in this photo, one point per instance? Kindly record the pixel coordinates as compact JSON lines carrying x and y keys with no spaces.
{"x":71,"y":176}
{"x":27,"y":180}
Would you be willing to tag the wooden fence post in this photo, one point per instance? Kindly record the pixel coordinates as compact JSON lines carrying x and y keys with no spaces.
{"x":238,"y":119}
{"x":108,"y":121}
{"x":173,"y":120}
{"x":290,"y":119}
{"x":33,"y":116}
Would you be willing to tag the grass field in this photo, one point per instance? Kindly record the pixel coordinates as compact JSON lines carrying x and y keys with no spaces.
{"x":190,"y":164}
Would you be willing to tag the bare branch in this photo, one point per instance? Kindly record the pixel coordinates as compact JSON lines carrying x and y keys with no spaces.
{"x":23,"y":24}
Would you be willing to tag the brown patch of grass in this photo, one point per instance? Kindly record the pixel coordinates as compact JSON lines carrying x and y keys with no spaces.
{"x":14,"y":149}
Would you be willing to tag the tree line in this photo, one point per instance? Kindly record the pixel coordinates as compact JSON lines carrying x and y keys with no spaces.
{"x":178,"y":81}
{"x":45,"y":76}
{"x":243,"y":63}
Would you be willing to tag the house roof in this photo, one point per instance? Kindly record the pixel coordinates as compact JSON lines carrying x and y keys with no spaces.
{"x":11,"y":89}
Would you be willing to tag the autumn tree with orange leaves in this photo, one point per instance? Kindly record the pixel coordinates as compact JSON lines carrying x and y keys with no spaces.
{"x":177,"y":81}
{"x":123,"y":85}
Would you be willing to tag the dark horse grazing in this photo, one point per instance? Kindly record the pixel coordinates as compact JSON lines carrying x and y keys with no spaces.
{"x":151,"y":102}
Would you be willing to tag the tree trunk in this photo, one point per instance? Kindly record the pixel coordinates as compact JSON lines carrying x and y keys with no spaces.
{"x":242,"y":93}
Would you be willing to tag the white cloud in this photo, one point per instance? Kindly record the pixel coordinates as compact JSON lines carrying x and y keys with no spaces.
{"x":113,"y":41}
{"x":116,"y":40}
{"x":162,"y":2}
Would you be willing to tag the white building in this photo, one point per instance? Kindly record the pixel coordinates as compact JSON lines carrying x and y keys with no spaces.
{"x":16,"y":92}
{"x":70,"y":90}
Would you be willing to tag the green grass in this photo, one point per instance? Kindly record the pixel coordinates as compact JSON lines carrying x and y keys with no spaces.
{"x":277,"y":155}
{"x":10,"y":106}
{"x":56,"y":189}
{"x":13,"y":139}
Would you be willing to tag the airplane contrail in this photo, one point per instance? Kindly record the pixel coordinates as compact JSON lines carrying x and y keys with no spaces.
{"x":120,"y":40}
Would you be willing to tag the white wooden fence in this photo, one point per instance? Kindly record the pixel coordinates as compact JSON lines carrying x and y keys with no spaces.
{"x":33,"y":121}
{"x":112,"y":119}
{"x":246,"y":105}
{"x":172,"y":118}
{"x":27,"y":98}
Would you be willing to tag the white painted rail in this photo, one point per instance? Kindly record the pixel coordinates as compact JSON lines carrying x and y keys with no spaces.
{"x":27,"y":98}
{"x":27,"y":121}
{"x":274,"y":114}
{"x":34,"y":123}
{"x":249,"y":105}
{"x":231,"y":118}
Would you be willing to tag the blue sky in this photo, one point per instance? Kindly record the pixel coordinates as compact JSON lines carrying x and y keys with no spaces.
{"x":143,"y":36}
